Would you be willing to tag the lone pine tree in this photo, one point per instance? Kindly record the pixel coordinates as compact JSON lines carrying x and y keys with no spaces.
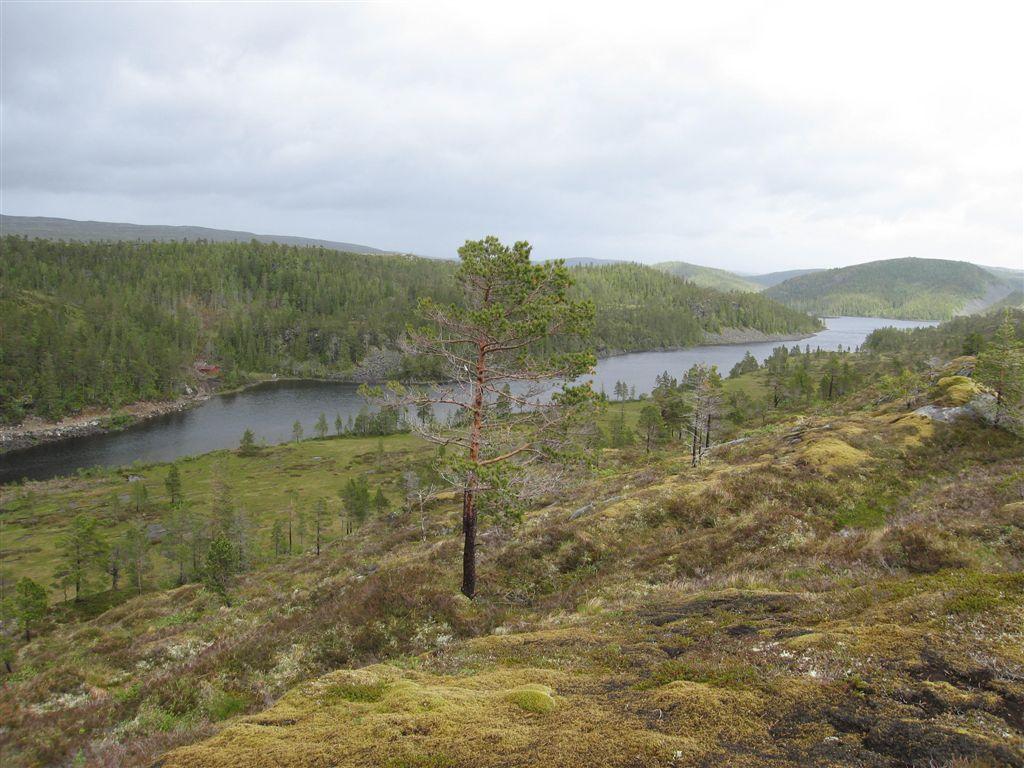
{"x":500,"y":334}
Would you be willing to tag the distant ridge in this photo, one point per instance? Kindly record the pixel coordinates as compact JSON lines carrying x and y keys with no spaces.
{"x":587,"y":261}
{"x":769,"y":279}
{"x":709,"y":277}
{"x":49,"y":228}
{"x":909,"y":288}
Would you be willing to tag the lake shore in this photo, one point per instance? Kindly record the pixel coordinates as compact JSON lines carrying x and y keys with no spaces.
{"x":35,"y":431}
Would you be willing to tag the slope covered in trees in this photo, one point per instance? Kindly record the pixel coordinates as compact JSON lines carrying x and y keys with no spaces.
{"x":641,"y":308}
{"x":107,"y":323}
{"x":709,"y":277}
{"x":917,"y":289}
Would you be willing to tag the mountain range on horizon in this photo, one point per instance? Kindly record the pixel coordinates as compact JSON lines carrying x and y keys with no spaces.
{"x":50,"y":228}
{"x":930,"y":289}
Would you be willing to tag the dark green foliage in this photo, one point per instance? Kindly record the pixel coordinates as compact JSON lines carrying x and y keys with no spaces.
{"x":110,"y":323}
{"x":29,"y":604}
{"x":962,"y":335}
{"x":247,"y":445}
{"x":83,"y":555}
{"x":356,"y":496}
{"x":640,"y":308}
{"x":650,"y":424}
{"x":220,"y":567}
{"x":1001,"y":367}
{"x":746,"y":365}
{"x":173,"y":484}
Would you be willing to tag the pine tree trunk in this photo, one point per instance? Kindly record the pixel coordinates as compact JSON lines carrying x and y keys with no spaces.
{"x":469,"y":544}
{"x":468,"y":500}
{"x":696,"y":439}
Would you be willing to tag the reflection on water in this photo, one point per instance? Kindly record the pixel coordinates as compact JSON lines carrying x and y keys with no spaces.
{"x":270,"y":409}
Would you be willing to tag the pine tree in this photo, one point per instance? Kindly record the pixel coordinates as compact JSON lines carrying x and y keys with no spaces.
{"x":247,"y":445}
{"x":277,"y":544}
{"x":319,"y":521}
{"x":651,"y":424}
{"x":136,"y":553}
{"x":511,"y":311}
{"x":220,"y":567}
{"x":140,"y":497}
{"x":356,"y":496}
{"x":82,"y":554}
{"x":115,"y":562}
{"x":29,"y":604}
{"x":1001,"y":367}
{"x":178,"y":544}
{"x":173,"y":485}
{"x":380,"y":502}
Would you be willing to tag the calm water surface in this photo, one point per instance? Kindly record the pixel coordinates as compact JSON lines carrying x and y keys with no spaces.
{"x":271,"y":409}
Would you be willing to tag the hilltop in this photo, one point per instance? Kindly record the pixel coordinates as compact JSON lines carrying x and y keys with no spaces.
{"x":801,"y":597}
{"x":709,"y":277}
{"x":915,"y":289}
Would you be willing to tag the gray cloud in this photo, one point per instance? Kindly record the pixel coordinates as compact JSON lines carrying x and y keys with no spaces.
{"x":647,"y":137}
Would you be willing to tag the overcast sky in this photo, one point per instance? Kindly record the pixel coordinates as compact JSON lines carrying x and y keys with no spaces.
{"x":752,"y":137}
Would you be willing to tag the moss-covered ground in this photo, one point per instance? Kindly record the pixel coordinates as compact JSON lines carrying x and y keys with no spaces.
{"x":842,"y":588}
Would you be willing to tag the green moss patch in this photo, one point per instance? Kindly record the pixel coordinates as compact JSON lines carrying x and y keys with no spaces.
{"x":361,"y":692}
{"x":533,"y":698}
{"x":956,"y":390}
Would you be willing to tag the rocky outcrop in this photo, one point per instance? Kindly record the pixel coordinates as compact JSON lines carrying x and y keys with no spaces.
{"x":749,"y":336}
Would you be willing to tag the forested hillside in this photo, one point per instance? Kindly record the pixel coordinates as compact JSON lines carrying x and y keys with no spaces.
{"x":107,"y":323}
{"x":916,"y":289}
{"x":709,"y":277}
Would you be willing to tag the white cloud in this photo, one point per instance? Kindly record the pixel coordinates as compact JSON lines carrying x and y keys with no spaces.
{"x":765,"y":135}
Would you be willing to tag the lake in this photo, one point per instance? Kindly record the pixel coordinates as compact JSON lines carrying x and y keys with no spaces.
{"x":270,"y":409}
